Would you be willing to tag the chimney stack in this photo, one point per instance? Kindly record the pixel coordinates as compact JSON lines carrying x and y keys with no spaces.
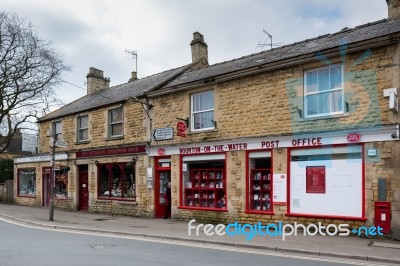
{"x":199,"y":50}
{"x":133,"y":76}
{"x":393,"y":8}
{"x":96,"y":81}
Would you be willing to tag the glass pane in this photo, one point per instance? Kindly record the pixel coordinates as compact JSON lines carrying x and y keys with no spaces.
{"x":83,"y":122}
{"x":197,"y":121}
{"x":129,"y":182}
{"x":323,"y":102}
{"x":323,"y":80}
{"x":312,"y":104}
{"x":57,"y":127}
{"x":61,"y":184}
{"x":311,"y":79}
{"x":27,"y":183}
{"x":207,"y":118}
{"x":116,"y":130}
{"x":116,"y":115}
{"x":203,"y":101}
{"x":336,"y":77}
{"x":83,"y":134}
{"x":164,"y":180}
{"x":116,"y":181}
{"x":336,"y":101}
{"x":104,"y":189}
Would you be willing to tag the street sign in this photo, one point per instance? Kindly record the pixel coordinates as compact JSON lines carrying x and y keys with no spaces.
{"x":58,"y":143}
{"x":165,"y":133}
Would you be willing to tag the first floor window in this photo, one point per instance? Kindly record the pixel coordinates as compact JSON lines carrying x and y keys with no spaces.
{"x":61,"y":184}
{"x":115,"y":122}
{"x":27,"y":182}
{"x":323,"y":91}
{"x":260,"y":181}
{"x":202,"y":110}
{"x":83,"y":128}
{"x":117,"y":180}
{"x":204,"y":182}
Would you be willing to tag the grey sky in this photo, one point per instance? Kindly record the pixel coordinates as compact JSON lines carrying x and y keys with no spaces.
{"x":97,"y":32}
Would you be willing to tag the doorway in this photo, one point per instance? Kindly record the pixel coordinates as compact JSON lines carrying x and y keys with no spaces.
{"x":83,"y":188}
{"x":46,"y":177}
{"x":162,"y":178}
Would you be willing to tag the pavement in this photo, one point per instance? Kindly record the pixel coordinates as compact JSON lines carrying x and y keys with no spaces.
{"x":347,"y":247}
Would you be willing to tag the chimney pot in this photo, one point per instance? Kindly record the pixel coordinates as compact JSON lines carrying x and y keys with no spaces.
{"x":133,"y":76}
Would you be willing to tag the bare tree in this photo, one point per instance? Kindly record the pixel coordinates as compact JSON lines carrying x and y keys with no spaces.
{"x":29,"y":69}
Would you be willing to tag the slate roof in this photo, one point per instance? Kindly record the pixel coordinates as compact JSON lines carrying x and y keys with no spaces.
{"x":115,"y":94}
{"x":186,"y":74}
{"x":309,"y":46}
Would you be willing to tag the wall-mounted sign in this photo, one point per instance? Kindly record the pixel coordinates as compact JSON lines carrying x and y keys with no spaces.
{"x":279,"y":188}
{"x":161,"y":152}
{"x":353,"y":137}
{"x":181,"y":129}
{"x":42,"y":158}
{"x":164,"y":133}
{"x":315,"y":179}
{"x":113,"y":151}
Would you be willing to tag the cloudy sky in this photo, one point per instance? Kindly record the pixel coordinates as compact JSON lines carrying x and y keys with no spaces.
{"x":96,"y":33}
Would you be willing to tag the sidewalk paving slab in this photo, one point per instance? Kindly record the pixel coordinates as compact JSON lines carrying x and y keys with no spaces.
{"x":349,"y":247}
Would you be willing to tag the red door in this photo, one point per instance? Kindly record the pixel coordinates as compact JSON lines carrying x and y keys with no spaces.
{"x":83,"y":191}
{"x":161,"y":182}
{"x":46,"y":187}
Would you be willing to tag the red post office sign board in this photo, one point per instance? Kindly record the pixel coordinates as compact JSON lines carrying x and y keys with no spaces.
{"x":315,"y":179}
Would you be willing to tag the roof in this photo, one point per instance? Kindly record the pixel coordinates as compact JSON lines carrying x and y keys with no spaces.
{"x":309,"y":46}
{"x":115,"y":94}
{"x":186,"y":75}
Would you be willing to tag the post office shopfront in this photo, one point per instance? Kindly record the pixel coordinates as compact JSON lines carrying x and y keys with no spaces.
{"x":321,"y":177}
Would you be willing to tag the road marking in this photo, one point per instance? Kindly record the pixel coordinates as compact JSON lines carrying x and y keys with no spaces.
{"x":200,"y":245}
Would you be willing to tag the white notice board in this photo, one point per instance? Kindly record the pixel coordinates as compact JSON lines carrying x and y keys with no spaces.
{"x":279,"y":188}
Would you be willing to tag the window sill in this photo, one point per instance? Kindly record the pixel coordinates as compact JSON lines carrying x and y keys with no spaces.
{"x":202,"y":131}
{"x":202,"y":209}
{"x":259,"y":212}
{"x":114,"y":138}
{"x":324,"y":117}
{"x":120,"y":200}
{"x":27,"y":196}
{"x":82,"y":142}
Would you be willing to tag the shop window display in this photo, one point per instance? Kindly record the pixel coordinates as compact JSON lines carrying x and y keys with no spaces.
{"x":260,"y":183}
{"x":27,"y":182}
{"x":204,"y":185}
{"x":117,"y":181}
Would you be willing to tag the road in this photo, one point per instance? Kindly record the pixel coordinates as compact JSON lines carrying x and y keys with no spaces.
{"x":23,"y":245}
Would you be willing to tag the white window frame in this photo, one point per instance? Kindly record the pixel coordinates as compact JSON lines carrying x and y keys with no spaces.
{"x":57,"y":134}
{"x":110,"y":123}
{"x":79,"y":129}
{"x":320,"y":92}
{"x":192,"y":112}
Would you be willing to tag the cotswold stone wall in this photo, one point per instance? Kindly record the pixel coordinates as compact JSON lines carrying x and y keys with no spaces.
{"x":135,"y":129}
{"x":267,"y":104}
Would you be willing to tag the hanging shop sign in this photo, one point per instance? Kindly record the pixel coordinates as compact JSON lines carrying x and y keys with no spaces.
{"x":165,"y":133}
{"x":181,"y":129}
{"x":113,"y":151}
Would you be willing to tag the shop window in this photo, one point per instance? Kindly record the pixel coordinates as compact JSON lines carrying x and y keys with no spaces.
{"x":27,"y":182}
{"x":204,"y":184}
{"x":260,"y":182}
{"x":61,"y":184}
{"x":117,"y":181}
{"x":83,"y":128}
{"x":202,"y":111}
{"x":115,"y":123}
{"x":323,"y":91}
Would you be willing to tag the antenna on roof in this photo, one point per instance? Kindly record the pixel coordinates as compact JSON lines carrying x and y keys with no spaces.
{"x":134,"y":56}
{"x":264,"y":43}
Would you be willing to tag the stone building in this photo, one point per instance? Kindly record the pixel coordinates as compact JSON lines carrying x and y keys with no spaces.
{"x":307,"y":133}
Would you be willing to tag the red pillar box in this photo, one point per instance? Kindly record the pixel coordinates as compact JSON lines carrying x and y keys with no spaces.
{"x":382,"y":215}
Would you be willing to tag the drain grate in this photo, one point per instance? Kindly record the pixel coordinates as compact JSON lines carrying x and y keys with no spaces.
{"x":101,"y":246}
{"x":102,"y":219}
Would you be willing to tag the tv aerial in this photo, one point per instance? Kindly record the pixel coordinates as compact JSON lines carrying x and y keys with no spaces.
{"x":267,"y":42}
{"x":134,"y":56}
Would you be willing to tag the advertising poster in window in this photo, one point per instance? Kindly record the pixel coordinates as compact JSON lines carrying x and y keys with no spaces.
{"x":279,"y":188}
{"x":315,"y":179}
